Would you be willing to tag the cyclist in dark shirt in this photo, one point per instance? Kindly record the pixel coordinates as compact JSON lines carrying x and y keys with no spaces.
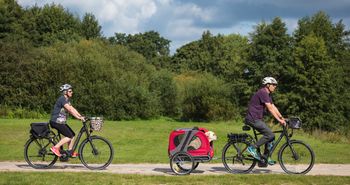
{"x":59,"y":120}
{"x":258,"y":104}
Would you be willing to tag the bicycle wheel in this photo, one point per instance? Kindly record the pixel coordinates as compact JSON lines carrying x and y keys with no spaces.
{"x":296,"y":157}
{"x":182,"y":163}
{"x":96,"y":153}
{"x":236,"y":158}
{"x":194,"y":166}
{"x":37,"y":153}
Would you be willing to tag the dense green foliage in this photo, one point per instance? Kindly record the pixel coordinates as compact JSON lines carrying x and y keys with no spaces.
{"x":134,"y":76}
{"x":150,"y":44}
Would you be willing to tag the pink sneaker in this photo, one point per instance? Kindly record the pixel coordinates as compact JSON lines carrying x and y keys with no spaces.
{"x":55,"y":151}
{"x":74,"y":155}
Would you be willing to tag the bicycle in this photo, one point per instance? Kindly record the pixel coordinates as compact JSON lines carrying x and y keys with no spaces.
{"x":294,"y":156}
{"x":95,"y":152}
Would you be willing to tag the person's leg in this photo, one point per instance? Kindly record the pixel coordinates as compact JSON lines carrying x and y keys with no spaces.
{"x":267,"y":139}
{"x":71,"y":143}
{"x":267,"y":133}
{"x":66,"y":131}
{"x":71,"y":134}
{"x":252,"y":149}
{"x":62,"y":142}
{"x":268,"y":147}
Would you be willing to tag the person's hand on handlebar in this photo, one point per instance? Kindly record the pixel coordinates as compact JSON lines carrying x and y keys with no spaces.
{"x":82,"y":118}
{"x":282,"y":121}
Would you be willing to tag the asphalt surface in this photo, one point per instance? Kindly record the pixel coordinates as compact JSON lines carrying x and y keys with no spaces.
{"x":164,"y":169}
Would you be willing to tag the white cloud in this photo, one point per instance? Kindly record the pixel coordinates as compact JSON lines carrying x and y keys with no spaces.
{"x":183,"y":29}
{"x":117,"y":15}
{"x":243,"y":28}
{"x":193,"y":11}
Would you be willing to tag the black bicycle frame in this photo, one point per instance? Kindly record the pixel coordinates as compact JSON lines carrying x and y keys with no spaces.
{"x":81,"y":132}
{"x":284,"y":133}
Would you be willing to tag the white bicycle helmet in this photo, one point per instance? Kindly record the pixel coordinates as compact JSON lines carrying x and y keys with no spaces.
{"x":65,"y":87}
{"x":269,"y":80}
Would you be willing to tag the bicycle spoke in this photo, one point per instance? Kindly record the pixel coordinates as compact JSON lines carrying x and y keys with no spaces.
{"x":97,"y":154}
{"x":37,"y":153}
{"x":296,"y":158}
{"x":235,"y":158}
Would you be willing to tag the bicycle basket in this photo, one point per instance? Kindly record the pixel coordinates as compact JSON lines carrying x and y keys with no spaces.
{"x":96,"y":123}
{"x":294,"y":123}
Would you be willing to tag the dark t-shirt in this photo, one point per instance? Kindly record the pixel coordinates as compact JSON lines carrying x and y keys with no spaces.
{"x":256,"y":106}
{"x":59,"y":113}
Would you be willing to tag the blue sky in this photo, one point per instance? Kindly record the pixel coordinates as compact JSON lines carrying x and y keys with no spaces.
{"x":183,"y":21}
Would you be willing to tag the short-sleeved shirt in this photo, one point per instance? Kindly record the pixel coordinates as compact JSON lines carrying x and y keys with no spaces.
{"x":256,"y":106}
{"x":59,"y":113}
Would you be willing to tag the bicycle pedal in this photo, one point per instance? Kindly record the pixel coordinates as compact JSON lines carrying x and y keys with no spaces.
{"x":262,"y":165}
{"x":64,"y":159}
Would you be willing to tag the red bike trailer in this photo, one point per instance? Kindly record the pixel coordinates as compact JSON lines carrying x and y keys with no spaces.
{"x":187,"y":148}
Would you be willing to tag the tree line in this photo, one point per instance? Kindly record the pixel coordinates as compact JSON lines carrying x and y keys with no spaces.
{"x":129,"y":76}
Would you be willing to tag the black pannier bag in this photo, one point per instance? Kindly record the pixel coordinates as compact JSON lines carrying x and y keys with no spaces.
{"x":39,"y":130}
{"x":238,"y":137}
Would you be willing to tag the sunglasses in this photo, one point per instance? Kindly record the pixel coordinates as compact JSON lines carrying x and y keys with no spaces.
{"x":70,"y":91}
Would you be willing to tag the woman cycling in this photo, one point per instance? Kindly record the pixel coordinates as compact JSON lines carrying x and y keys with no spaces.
{"x":59,"y":120}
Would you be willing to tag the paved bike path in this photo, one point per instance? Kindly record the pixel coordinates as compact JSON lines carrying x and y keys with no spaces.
{"x":164,"y":169}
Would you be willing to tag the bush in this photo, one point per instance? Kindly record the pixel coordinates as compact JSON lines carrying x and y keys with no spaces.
{"x":107,"y":80}
{"x":10,"y":113}
{"x":164,"y":87}
{"x":205,"y":98}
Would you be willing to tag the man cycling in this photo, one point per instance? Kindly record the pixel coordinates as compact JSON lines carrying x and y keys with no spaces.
{"x":59,"y":120}
{"x":258,"y":104}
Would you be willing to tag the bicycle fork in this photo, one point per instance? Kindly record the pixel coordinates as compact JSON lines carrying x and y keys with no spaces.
{"x":94,"y":150}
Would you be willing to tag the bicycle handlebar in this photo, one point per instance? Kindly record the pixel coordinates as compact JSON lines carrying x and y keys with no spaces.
{"x":88,"y":118}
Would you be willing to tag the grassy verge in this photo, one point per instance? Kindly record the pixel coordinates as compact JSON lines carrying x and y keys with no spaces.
{"x":147,"y":141}
{"x":35,"y":178}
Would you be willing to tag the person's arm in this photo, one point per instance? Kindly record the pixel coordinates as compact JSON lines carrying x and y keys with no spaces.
{"x":275,"y":113}
{"x":73,"y":111}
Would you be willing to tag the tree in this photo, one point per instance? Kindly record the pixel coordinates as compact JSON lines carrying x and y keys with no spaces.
{"x":220,"y":55}
{"x":335,"y":39}
{"x":270,"y":55}
{"x":150,"y":44}
{"x":89,"y":27}
{"x":269,"y":52}
{"x":313,"y":93}
{"x":11,"y":15}
{"x":50,"y":24}
{"x":321,"y":26}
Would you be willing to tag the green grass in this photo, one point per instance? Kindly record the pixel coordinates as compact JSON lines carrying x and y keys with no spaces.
{"x":43,"y":178}
{"x":147,"y":141}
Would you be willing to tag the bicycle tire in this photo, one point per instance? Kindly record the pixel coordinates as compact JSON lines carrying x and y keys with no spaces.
{"x":236,"y":158}
{"x":37,"y":153}
{"x":96,"y":153}
{"x":299,"y":163}
{"x":182,"y":163}
{"x":194,"y":166}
